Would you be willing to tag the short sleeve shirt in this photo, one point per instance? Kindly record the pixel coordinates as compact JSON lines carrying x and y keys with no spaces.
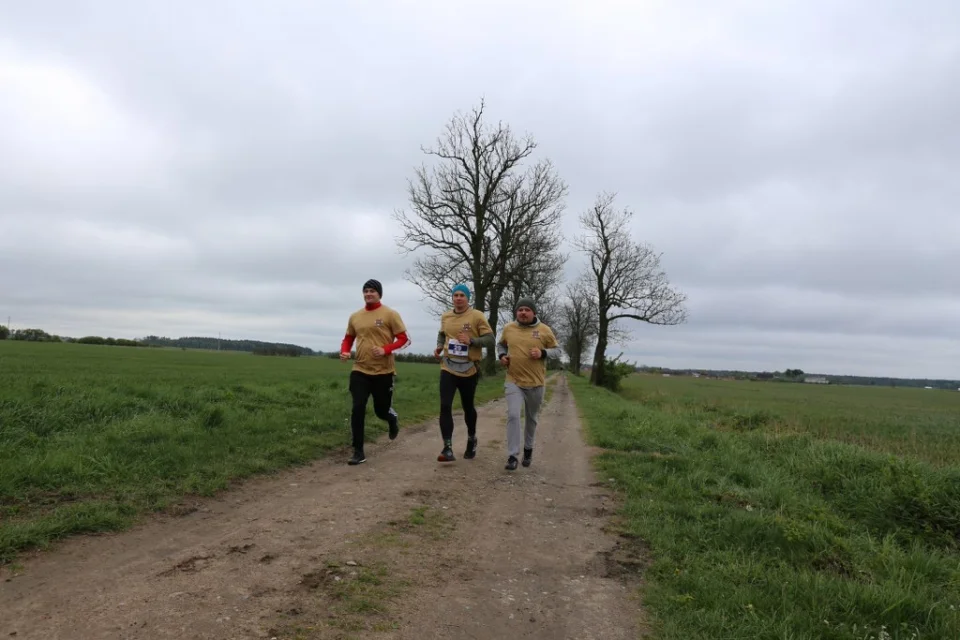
{"x":475,"y":324}
{"x":524,"y":371}
{"x":372,"y":329}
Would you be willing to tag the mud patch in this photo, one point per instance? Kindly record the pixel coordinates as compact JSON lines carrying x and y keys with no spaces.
{"x":421,"y":494}
{"x":625,"y":562}
{"x":320,"y":578}
{"x":347,"y":597}
{"x":261,"y":591}
{"x":190,"y":565}
{"x":180,"y":510}
{"x":240,"y":549}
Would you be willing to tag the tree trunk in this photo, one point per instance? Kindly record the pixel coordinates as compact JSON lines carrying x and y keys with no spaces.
{"x":600,"y":353}
{"x":490,"y":361}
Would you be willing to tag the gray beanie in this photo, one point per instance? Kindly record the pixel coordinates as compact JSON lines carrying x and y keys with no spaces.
{"x":526,"y":302}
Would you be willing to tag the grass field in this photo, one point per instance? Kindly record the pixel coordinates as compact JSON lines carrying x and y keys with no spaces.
{"x":93,"y":436}
{"x":787,"y":511}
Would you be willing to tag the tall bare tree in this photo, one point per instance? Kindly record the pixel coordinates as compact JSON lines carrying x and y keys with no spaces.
{"x":627,"y":280}
{"x":577,"y":321}
{"x":478,"y":218}
{"x":537,"y":273}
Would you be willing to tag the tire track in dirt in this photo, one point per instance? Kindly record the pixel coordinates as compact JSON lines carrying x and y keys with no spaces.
{"x":399,"y":547}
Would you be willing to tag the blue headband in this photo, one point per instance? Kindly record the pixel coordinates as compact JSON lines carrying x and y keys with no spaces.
{"x":463,"y":288}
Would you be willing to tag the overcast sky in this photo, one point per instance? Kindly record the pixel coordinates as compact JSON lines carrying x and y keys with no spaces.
{"x":188,"y":168}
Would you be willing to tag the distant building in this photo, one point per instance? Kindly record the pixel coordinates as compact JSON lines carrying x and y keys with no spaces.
{"x":816,"y":380}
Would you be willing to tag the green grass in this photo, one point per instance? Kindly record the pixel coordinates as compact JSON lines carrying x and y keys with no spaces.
{"x":787,"y":511}
{"x":910,"y":422}
{"x":91,"y":437}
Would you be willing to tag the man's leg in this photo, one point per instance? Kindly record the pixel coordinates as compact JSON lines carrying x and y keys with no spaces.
{"x":514,"y":396}
{"x":382,"y":390}
{"x":448,"y":388}
{"x":360,"y":391}
{"x":468,"y":392}
{"x":394,"y":420}
{"x":533,"y":398}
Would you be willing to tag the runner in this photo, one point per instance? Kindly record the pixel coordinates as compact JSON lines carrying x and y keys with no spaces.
{"x":523,"y":348}
{"x":378,"y":331}
{"x":464,"y":331}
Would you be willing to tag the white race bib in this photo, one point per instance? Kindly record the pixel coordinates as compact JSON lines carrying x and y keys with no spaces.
{"x":457,"y":349}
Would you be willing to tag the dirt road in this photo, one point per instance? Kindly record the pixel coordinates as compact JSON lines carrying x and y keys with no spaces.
{"x":399,"y":547}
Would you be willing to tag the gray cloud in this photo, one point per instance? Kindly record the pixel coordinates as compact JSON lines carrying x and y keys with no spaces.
{"x":184,"y":169}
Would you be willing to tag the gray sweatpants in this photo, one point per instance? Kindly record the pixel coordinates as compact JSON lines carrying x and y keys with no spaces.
{"x":529,"y":399}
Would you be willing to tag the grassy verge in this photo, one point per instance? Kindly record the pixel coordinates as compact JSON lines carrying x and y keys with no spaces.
{"x":92,"y":437}
{"x":760,"y":532}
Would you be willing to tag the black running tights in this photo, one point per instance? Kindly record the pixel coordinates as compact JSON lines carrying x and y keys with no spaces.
{"x":362,"y":387}
{"x":467,"y":386}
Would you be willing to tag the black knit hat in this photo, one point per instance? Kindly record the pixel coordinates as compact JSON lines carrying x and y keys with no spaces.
{"x":527,"y":302}
{"x":374,"y":284}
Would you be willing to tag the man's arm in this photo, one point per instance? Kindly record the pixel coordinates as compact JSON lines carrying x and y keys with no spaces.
{"x":349,"y":336}
{"x":502,"y":345}
{"x":552,"y":352}
{"x":551,"y":347}
{"x":485,"y":340}
{"x":441,"y":339}
{"x":400,"y":337}
{"x":486,"y":337}
{"x":400,"y":340}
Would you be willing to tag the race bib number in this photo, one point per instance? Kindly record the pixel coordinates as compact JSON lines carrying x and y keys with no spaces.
{"x":457,"y":349}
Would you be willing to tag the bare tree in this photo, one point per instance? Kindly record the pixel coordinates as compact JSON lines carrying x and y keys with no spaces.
{"x":548,"y":307}
{"x":535,"y":272}
{"x":627,"y":281}
{"x":477,"y":218}
{"x":577,"y":321}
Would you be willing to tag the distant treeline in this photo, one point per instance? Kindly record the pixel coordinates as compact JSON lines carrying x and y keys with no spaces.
{"x":39,"y":335}
{"x":31,"y":335}
{"x":255,"y":347}
{"x":894,"y":382}
{"x":797,"y":375}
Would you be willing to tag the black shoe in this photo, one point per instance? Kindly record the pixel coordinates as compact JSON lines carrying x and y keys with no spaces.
{"x":394,"y":426}
{"x":511,"y":463}
{"x":446,"y":455}
{"x":471,"y":451}
{"x":527,"y":457}
{"x":357,"y":458}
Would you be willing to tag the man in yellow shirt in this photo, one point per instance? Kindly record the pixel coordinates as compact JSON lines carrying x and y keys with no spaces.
{"x":523,"y":348}
{"x":464,"y":331}
{"x":378,"y":331}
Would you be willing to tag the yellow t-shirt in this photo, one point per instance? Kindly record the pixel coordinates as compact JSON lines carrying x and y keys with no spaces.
{"x":373,"y":329}
{"x":475,"y":324}
{"x":524,"y":371}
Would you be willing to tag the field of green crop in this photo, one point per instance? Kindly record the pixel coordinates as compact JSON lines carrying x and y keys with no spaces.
{"x":93,"y":436}
{"x":787,"y":511}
